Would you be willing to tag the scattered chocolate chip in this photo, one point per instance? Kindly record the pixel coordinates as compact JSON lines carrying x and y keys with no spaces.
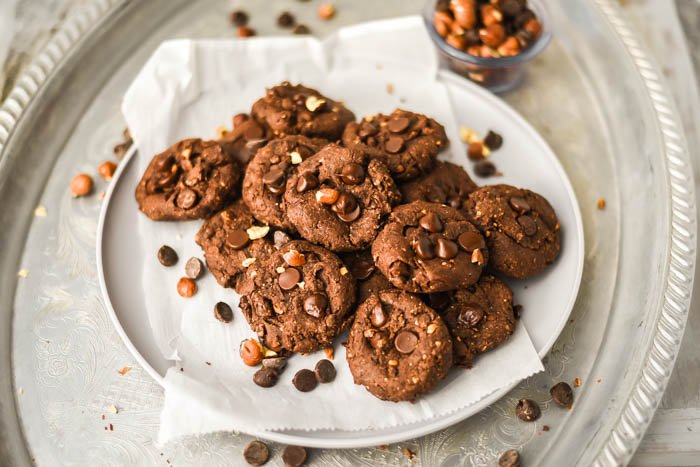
{"x":398,"y":124}
{"x":306,"y":181}
{"x":470,"y":316}
{"x":446,"y":249}
{"x":517,"y":311}
{"x":265,"y":377}
{"x":294,"y":456}
{"x":301,"y":29}
{"x":562,"y":394}
{"x":289,"y":278}
{"x":493,"y":140}
{"x":239,"y":18}
{"x":393,"y":145}
{"x":194,"y":268}
{"x":528,"y":224}
{"x":315,"y":304}
{"x":510,"y":458}
{"x":285,"y":20}
{"x":275,"y":363}
{"x":256,"y":453}
{"x":406,"y":342}
{"x":519,"y":205}
{"x":431,"y":222}
{"x":223,"y":312}
{"x":484,"y":169}
{"x":377,"y":316}
{"x":527,"y":410}
{"x":470,"y":241}
{"x":352,"y":174}
{"x":325,"y":371}
{"x":186,"y":199}
{"x":167,"y":256}
{"x":425,"y":248}
{"x":280,"y":238}
{"x":305,"y":380}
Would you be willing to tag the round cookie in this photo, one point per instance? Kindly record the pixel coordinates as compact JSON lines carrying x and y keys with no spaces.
{"x":298,"y":110}
{"x":227,"y":245}
{"x":429,"y":247}
{"x":521,"y":229}
{"x":266,"y":177}
{"x":480,"y":317}
{"x":398,"y":347}
{"x":369,"y":279}
{"x":340,"y":197}
{"x":405,"y":141}
{"x":299,"y":308}
{"x":191,"y":179}
{"x":247,"y":136}
{"x":446,"y":183}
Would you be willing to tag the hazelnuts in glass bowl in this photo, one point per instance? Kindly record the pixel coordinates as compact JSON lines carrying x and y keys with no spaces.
{"x":488,"y":41}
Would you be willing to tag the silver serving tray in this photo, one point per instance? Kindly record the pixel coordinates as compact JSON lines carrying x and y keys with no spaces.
{"x":594,"y":95}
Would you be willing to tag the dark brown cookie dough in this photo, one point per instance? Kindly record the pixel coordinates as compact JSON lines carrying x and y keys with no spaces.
{"x":302,"y":297}
{"x":247,"y":136}
{"x":340,"y":197}
{"x":298,"y":110}
{"x":405,"y":141}
{"x":266,"y":177}
{"x":228,"y":248}
{"x":191,"y":179}
{"x":520,"y":226}
{"x":429,"y":247}
{"x":447,"y":183}
{"x":480,"y":317}
{"x":398,"y":347}
{"x":369,"y":279}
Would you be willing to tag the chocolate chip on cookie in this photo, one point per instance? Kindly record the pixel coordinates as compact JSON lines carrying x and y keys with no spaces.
{"x":429,"y":247}
{"x":247,"y":136}
{"x":345,"y":206}
{"x":405,"y":141}
{"x":369,"y":279}
{"x":520,"y":226}
{"x":190,"y":180}
{"x":446,"y":183}
{"x":398,"y":348}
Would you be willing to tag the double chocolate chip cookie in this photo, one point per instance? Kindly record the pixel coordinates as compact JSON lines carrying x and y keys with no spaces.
{"x":228,"y":247}
{"x":447,"y":183}
{"x":266,"y":177}
{"x":340,"y":197}
{"x":302,"y":297}
{"x":520,"y":226}
{"x":480,"y":317}
{"x":429,"y":247}
{"x":398,"y":347}
{"x":405,"y":141}
{"x":298,"y":110}
{"x":191,"y":179}
{"x":369,"y":279}
{"x":246,"y":137}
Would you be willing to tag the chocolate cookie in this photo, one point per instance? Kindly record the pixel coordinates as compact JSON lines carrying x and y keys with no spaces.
{"x":398,"y":347}
{"x":227,"y":245}
{"x":298,"y":110}
{"x":247,"y":136}
{"x":302,"y":297}
{"x":521,"y":229}
{"x":429,"y":247}
{"x":405,"y":141}
{"x":447,"y":183}
{"x":266,"y":177}
{"x":480,"y":317}
{"x":191,"y":179}
{"x":369,"y":279}
{"x":340,"y":197}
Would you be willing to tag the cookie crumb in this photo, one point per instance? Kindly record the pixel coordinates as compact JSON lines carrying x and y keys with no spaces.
{"x":545,"y":427}
{"x":124,"y":370}
{"x":468,"y":135}
{"x":40,"y":211}
{"x":408,"y":453}
{"x":330,"y":352}
{"x":23,"y":273}
{"x":390,"y":88}
{"x":598,"y":381}
{"x":20,"y":391}
{"x":247,"y":262}
{"x":601,"y":203}
{"x":577,"y":382}
{"x":112,"y":409}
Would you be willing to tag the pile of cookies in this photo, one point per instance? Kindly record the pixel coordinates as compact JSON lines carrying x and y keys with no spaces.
{"x":323,"y":224}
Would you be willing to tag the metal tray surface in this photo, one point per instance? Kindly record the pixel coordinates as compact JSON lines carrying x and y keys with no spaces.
{"x":594,"y":96}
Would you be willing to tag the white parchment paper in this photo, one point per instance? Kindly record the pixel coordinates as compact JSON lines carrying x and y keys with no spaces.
{"x":187,"y":89}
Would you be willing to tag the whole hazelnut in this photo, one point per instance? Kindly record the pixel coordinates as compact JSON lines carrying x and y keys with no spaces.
{"x":492,"y":35}
{"x":107,"y":169}
{"x":464,"y":12}
{"x":326,"y":11}
{"x":251,"y":352}
{"x":245,"y":31}
{"x":491,"y":15}
{"x":509,"y":47}
{"x":81,"y":185}
{"x":186,"y":287}
{"x":442,"y":21}
{"x":456,"y":41}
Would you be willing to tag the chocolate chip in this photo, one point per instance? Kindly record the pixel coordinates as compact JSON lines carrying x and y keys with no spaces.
{"x":352,"y":174}
{"x":517,"y":311}
{"x":239,"y":18}
{"x":305,"y":380}
{"x":470,"y":241}
{"x":431,"y":222}
{"x":510,"y":458}
{"x":346,"y":208}
{"x":252,"y":146}
{"x":527,"y":410}
{"x":484,"y":169}
{"x":438,"y":301}
{"x":223,"y":312}
{"x":528,"y":224}
{"x":280,"y":238}
{"x":393,"y":145}
{"x":399,"y":270}
{"x":167,"y":256}
{"x":315,"y":304}
{"x":265,"y":377}
{"x":306,"y":181}
{"x":562,"y":394}
{"x":289,"y":278}
{"x":194,"y":268}
{"x":256,"y":453}
{"x":406,"y":342}
{"x":470,"y":316}
{"x":446,"y":249}
{"x":325,"y":371}
{"x":366,"y":129}
{"x":275,"y":363}
{"x":274,"y":179}
{"x":425,"y":248}
{"x":519,"y":205}
{"x":294,"y":456}
{"x":398,"y":124}
{"x":186,"y":199}
{"x":301,"y":29}
{"x":363,"y":268}
{"x":377,"y":316}
{"x":493,"y":140}
{"x":285,"y":20}
{"x":237,"y":239}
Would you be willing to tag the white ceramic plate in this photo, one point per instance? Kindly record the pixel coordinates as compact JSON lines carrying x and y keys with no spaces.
{"x":525,"y":160}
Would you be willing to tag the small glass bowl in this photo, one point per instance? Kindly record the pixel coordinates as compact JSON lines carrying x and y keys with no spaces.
{"x":496,"y":74}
